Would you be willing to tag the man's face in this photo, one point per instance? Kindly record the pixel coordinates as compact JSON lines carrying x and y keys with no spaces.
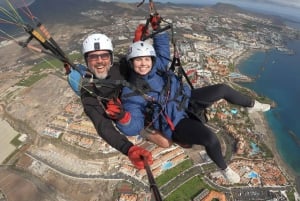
{"x":142,"y":65}
{"x":99,"y":63}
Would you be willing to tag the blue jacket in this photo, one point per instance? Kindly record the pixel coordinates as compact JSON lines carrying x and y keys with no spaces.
{"x":167,"y":98}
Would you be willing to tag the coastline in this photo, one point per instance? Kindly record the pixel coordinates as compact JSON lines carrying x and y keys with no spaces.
{"x":270,"y":141}
{"x":242,"y":57}
{"x":263,"y":126}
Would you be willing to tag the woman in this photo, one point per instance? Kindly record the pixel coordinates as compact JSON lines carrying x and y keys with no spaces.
{"x":164,"y":100}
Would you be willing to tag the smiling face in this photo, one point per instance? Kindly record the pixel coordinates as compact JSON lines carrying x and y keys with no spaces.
{"x":142,"y":65}
{"x":99,"y":63}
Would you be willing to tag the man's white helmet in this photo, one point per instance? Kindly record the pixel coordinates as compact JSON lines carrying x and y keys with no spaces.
{"x":140,"y":49}
{"x":96,"y":42}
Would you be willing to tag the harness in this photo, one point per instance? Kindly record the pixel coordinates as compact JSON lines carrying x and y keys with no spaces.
{"x":140,"y":87}
{"x":159,"y":106}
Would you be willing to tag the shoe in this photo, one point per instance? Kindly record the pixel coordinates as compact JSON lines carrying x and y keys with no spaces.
{"x":259,"y":107}
{"x":231,"y":176}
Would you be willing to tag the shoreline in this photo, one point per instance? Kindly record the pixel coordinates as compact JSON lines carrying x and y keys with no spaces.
{"x":264,"y":127}
{"x":244,"y":56}
{"x":270,"y":141}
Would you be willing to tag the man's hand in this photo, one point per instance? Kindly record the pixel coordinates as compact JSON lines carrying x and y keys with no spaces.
{"x":115,"y":111}
{"x":139,"y":32}
{"x":67,"y":68}
{"x":137,"y":155}
{"x":155,"y":21}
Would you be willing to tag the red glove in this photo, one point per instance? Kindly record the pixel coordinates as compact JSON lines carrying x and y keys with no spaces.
{"x":155,"y":21}
{"x":137,"y":155}
{"x":115,"y":110}
{"x":139,"y":32}
{"x":67,"y":68}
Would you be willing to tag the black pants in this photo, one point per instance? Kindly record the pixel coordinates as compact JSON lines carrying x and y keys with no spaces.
{"x":191,"y":131}
{"x":213,"y":93}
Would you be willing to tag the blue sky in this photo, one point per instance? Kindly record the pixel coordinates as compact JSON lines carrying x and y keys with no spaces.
{"x":285,"y":8}
{"x":15,"y":2}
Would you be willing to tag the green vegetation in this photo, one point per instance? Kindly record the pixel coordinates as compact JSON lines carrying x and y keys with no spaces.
{"x":230,"y":142}
{"x":264,"y":99}
{"x":38,"y":71}
{"x":173,"y":172}
{"x":209,"y":167}
{"x":31,"y":80}
{"x":46,"y":64}
{"x":243,"y":90}
{"x":188,"y":190}
{"x":76,"y":57}
{"x":290,"y":195}
{"x":10,"y":95}
{"x":15,"y":141}
{"x":268,"y":153}
{"x":231,"y":67}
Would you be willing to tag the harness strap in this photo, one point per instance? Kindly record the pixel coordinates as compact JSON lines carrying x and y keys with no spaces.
{"x":182,"y":103}
{"x":167,"y":85}
{"x":167,"y":75}
{"x":169,"y":121}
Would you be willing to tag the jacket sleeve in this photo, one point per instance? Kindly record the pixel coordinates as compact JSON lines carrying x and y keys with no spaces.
{"x":135,"y":105}
{"x":104,"y":126}
{"x":161,"y":45}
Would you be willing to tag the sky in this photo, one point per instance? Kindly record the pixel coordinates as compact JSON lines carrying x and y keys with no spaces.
{"x":15,"y":3}
{"x":287,"y":3}
{"x":286,"y":8}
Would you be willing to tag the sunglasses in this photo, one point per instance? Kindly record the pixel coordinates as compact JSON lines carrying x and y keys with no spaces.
{"x":93,"y":57}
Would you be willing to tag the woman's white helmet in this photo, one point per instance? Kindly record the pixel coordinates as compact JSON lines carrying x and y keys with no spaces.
{"x":97,"y":42}
{"x":140,"y":49}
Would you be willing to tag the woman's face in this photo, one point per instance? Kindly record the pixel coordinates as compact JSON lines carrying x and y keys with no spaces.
{"x":142,"y":65}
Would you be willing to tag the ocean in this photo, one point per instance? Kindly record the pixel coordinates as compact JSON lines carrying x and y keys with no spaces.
{"x":277,"y":76}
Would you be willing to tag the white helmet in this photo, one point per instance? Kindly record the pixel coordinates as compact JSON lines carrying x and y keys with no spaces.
{"x":96,"y":42}
{"x":140,"y":49}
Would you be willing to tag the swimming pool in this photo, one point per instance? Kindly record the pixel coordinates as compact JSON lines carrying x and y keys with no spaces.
{"x":167,"y":165}
{"x":255,"y":148}
{"x":253,"y":175}
{"x":234,"y":111}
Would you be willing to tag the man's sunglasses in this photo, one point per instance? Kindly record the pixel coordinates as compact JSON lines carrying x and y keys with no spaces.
{"x":93,"y":57}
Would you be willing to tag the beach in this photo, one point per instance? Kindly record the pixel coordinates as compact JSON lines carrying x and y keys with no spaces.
{"x":243,"y":57}
{"x":262,"y":126}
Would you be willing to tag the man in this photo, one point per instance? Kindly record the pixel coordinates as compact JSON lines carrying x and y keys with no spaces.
{"x":98,"y":54}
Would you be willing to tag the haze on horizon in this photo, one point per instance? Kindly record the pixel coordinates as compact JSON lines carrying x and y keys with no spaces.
{"x":287,"y":9}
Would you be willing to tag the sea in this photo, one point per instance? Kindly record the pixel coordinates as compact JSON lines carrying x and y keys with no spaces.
{"x":277,"y":76}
